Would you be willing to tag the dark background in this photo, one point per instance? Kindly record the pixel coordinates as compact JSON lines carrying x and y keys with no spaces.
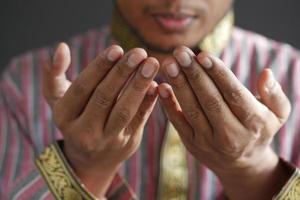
{"x":28,"y":24}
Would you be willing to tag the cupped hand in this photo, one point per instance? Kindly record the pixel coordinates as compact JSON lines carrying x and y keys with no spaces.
{"x":219,"y":120}
{"x":103,"y":112}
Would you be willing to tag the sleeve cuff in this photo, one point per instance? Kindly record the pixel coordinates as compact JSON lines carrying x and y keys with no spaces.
{"x":59,"y":176}
{"x":291,"y":190}
{"x":63,"y":182}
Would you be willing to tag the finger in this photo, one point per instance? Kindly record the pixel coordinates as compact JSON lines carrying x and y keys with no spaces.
{"x":104,"y":97}
{"x":186,"y":98}
{"x":61,"y":60}
{"x":209,"y":97}
{"x":134,"y":129}
{"x":250,"y":112}
{"x":82,"y":88}
{"x":55,"y":83}
{"x":174,"y":113}
{"x":273,"y":96}
{"x":127,"y":105}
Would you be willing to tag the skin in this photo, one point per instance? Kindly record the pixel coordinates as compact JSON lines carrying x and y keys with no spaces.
{"x":102,"y":117}
{"x":139,"y":14}
{"x":223,"y":125}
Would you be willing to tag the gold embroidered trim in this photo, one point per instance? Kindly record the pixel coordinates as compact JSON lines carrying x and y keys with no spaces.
{"x":59,"y":176}
{"x":173,"y":182}
{"x":216,"y":41}
{"x":291,"y":190}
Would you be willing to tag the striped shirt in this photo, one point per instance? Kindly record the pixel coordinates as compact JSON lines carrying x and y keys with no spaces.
{"x":26,"y":125}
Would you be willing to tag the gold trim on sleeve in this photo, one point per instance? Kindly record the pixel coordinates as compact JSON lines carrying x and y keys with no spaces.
{"x":291,"y":190}
{"x":173,"y":182}
{"x":59,"y":176}
{"x":217,"y":40}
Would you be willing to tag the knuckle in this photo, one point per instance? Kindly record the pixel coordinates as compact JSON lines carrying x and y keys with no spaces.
{"x":235,"y":96}
{"x":204,"y":139}
{"x":220,"y":73}
{"x":233,"y":149}
{"x":180,"y":82}
{"x":254,"y":122}
{"x":195,"y":76}
{"x":213,"y":104}
{"x":230,"y":148}
{"x":141,"y":115}
{"x":117,"y":141}
{"x":139,"y":86}
{"x":133,"y":143}
{"x":123,"y":115}
{"x":102,"y":100}
{"x":129,"y":130}
{"x":193,"y":114}
{"x":199,"y":90}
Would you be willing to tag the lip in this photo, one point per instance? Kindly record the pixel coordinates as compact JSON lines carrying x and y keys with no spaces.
{"x":174,"y":22}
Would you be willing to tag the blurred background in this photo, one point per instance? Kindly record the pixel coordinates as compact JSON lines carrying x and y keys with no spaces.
{"x":29,"y":24}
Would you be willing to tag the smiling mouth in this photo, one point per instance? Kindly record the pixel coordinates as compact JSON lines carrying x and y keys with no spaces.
{"x":174,"y":22}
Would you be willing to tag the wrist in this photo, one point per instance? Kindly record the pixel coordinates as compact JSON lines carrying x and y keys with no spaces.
{"x":96,"y":175}
{"x":260,"y":178}
{"x":258,"y":163}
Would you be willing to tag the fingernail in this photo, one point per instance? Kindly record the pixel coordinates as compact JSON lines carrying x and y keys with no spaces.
{"x":184,"y":59}
{"x":134,"y":59}
{"x":271,"y":82}
{"x":151,"y":91}
{"x":113,"y":55}
{"x":172,"y":70}
{"x":206,"y":62}
{"x":148,"y":70}
{"x":164,"y":93}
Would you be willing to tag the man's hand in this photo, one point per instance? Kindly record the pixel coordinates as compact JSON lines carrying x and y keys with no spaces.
{"x":223,"y":125}
{"x":103,"y":112}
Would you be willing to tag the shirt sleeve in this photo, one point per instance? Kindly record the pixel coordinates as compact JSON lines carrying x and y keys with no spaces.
{"x":291,"y":190}
{"x":64,"y":184}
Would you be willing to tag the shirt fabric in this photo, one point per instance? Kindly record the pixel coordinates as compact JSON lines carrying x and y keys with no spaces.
{"x":27,"y":127}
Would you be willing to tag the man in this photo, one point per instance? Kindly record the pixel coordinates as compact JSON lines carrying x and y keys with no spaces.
{"x":117,"y":142}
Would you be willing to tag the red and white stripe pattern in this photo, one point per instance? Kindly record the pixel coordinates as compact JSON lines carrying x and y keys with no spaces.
{"x":26,"y":126}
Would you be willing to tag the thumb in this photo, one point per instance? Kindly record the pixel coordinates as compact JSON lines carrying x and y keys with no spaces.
{"x":61,"y":60}
{"x":55,"y":80}
{"x":273,"y":96}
